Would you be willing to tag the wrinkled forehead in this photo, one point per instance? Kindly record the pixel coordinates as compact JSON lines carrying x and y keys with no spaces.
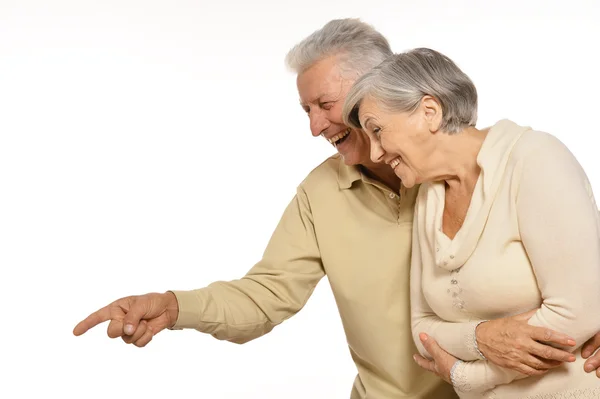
{"x":323,"y":79}
{"x":369,"y":109}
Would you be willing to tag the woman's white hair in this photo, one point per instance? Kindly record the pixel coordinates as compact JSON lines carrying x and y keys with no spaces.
{"x":358,"y":46}
{"x":400,"y":82}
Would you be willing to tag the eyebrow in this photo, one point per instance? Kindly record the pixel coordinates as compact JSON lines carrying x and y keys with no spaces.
{"x":317,"y":99}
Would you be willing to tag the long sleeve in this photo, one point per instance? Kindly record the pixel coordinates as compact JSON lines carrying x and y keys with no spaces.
{"x":458,"y":339}
{"x":276,"y":288}
{"x":560,"y":230}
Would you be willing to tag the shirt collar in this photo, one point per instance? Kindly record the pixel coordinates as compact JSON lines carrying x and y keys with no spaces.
{"x":347,"y":175}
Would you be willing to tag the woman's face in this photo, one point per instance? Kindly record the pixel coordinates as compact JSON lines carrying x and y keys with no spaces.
{"x":403,"y":140}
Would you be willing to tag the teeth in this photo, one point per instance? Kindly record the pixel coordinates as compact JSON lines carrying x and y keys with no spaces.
{"x":395,"y":163}
{"x":339,"y":136}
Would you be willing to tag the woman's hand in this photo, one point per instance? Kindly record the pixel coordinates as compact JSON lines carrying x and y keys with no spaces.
{"x":442,"y":361}
{"x":514,"y":344}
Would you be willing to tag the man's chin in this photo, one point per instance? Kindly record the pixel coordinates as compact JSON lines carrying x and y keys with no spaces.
{"x":348,"y":157}
{"x":349,"y":160}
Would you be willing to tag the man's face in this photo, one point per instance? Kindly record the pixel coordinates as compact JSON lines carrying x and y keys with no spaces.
{"x":322,"y":89}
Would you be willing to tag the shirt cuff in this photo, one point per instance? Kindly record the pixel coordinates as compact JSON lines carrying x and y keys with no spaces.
{"x":458,"y":377}
{"x":470,"y":341}
{"x":190,"y":309}
{"x":473,"y":346}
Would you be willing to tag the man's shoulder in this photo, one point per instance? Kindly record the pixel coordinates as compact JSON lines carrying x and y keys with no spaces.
{"x":325,"y":175}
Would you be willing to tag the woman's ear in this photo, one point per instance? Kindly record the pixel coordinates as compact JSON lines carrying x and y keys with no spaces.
{"x":432,"y":110}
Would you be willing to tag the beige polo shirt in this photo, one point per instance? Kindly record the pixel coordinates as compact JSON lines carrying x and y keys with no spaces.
{"x":358,"y":232}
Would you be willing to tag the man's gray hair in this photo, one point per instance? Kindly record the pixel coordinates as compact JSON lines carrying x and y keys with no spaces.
{"x":358,"y":45}
{"x":400,"y":82}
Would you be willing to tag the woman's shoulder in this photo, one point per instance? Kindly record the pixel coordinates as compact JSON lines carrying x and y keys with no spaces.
{"x":540,"y":153}
{"x":536,"y":144}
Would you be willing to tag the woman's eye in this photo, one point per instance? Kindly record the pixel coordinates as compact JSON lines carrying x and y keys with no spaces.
{"x":327,"y":106}
{"x":376,"y":131}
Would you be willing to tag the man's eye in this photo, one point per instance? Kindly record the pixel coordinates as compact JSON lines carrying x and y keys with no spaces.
{"x":376,"y":131}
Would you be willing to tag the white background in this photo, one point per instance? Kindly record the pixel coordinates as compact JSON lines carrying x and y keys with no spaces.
{"x":152,"y":145}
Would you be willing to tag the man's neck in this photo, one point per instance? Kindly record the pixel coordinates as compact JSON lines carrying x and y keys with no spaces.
{"x":383,"y":174}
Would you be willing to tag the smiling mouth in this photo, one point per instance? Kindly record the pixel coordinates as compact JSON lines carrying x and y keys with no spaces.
{"x":339,"y":138}
{"x":395,"y":163}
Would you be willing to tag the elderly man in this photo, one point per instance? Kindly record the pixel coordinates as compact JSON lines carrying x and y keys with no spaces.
{"x":370,"y":286}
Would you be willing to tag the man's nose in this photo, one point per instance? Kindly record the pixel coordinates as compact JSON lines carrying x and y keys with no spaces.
{"x":318,"y":123}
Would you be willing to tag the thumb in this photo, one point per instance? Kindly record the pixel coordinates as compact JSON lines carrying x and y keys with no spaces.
{"x":137,"y":311}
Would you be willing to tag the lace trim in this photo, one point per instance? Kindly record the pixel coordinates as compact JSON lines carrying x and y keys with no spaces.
{"x":471,"y":342}
{"x":589,"y":393}
{"x":458,"y":377}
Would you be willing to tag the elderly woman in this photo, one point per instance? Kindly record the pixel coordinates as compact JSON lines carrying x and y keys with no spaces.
{"x":505,"y":222}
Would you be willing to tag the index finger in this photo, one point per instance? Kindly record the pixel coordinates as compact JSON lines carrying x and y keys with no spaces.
{"x":99,"y":316}
{"x":546,"y":335}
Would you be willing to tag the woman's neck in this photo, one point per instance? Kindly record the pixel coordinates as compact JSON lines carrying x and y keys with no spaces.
{"x":455,"y":159}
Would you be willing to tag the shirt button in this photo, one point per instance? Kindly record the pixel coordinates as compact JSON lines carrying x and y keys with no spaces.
{"x":451,"y":256}
{"x":392,"y":195}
